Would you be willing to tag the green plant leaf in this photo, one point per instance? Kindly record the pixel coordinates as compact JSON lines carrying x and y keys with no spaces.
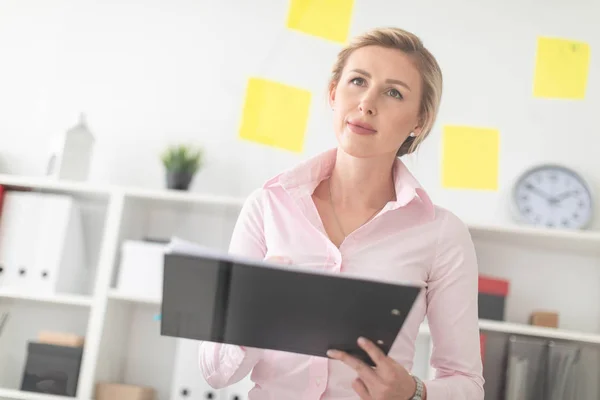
{"x":182,"y":158}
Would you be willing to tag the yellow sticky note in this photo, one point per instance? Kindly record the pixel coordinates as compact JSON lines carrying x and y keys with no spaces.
{"x":561,"y":69}
{"x":275,"y":114}
{"x":327,"y":19}
{"x":470,"y":158}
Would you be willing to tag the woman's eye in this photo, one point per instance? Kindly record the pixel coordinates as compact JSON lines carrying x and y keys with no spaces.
{"x":395,"y":93}
{"x":358,"y":81}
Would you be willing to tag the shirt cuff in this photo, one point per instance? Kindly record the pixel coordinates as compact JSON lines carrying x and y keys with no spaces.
{"x":232,"y":357}
{"x":229,"y":362}
{"x":436,"y":390}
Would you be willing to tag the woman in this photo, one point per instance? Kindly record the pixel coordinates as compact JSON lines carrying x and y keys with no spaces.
{"x":356,"y":209}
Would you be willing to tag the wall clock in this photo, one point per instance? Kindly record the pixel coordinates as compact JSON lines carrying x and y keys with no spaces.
{"x":553,"y":196}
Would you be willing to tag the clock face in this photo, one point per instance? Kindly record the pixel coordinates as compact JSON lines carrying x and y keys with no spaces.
{"x":553,"y":197}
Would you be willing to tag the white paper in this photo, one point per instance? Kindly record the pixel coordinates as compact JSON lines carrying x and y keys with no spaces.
{"x":182,"y":246}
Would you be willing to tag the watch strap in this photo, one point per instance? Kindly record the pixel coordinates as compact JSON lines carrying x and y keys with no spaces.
{"x":419,"y":390}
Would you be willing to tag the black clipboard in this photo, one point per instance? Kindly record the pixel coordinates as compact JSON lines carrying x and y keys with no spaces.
{"x":256,"y":304}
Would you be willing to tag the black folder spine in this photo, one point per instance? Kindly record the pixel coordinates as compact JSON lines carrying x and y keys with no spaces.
{"x":221,"y":302}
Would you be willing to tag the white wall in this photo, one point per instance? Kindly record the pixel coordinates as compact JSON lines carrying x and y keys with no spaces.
{"x":149,"y":72}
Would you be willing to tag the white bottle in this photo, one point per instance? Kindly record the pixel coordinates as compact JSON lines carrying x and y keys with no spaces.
{"x":71,"y":153}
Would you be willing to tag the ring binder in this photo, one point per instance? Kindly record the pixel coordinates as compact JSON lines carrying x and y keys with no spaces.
{"x":219,"y":298}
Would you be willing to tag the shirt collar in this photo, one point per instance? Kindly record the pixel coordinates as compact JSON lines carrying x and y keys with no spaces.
{"x":302,"y":180}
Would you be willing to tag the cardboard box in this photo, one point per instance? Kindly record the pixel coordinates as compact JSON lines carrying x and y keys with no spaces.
{"x":120,"y":391}
{"x":547,"y":319}
{"x":61,"y":339}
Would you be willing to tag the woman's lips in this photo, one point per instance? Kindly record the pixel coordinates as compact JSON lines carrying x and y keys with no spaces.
{"x":361,"y":128}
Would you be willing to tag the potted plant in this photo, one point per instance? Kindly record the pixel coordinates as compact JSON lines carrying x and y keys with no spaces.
{"x":181,"y":163}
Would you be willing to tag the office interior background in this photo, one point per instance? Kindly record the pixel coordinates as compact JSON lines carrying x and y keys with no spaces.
{"x":117,"y":83}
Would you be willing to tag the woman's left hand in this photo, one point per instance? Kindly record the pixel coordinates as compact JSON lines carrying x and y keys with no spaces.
{"x":387,"y":381}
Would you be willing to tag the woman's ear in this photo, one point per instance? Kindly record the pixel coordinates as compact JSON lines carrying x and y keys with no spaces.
{"x":418,"y":128}
{"x":332,"y":88}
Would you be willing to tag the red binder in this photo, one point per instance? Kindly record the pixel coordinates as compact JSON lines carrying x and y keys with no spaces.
{"x":2,"y":190}
{"x":482,"y":338}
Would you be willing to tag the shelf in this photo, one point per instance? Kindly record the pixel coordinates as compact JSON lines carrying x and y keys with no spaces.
{"x":24,"y":395}
{"x":184,"y":197}
{"x":115,"y":295}
{"x":90,"y":189}
{"x":49,"y":184}
{"x":585,"y":242}
{"x":529,"y":330}
{"x":63,"y":299}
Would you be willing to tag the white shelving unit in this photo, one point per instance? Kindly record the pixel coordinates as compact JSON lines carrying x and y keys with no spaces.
{"x":548,"y":270}
{"x":65,"y":299}
{"x":528,"y":330}
{"x":19,"y":395}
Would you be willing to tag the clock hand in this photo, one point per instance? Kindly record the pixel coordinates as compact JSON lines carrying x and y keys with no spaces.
{"x":565,"y":195}
{"x":537,"y":191}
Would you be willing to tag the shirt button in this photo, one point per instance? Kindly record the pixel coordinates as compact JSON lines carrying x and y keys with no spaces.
{"x":318,"y":382}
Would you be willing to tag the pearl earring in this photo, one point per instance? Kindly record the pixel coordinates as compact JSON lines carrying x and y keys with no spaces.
{"x":412,"y":134}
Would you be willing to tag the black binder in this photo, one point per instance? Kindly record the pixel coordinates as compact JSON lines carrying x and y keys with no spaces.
{"x":255,"y":304}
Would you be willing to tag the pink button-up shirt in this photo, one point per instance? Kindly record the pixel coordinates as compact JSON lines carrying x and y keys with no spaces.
{"x":410,"y":239}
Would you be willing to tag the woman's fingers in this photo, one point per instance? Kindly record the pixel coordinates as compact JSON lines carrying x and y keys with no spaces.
{"x":364,"y":371}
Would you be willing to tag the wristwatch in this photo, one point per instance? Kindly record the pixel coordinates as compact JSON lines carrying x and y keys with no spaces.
{"x":419,"y":392}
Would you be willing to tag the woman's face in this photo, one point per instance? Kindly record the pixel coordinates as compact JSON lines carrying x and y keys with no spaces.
{"x":376,"y":102}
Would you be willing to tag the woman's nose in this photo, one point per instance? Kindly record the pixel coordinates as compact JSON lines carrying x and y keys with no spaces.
{"x":367,"y":106}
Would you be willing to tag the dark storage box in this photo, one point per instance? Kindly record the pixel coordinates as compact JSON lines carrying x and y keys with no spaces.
{"x":52,"y":369}
{"x":492,"y":297}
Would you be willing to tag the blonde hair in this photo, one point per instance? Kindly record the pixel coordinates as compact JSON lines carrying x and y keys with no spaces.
{"x":431,"y":74}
